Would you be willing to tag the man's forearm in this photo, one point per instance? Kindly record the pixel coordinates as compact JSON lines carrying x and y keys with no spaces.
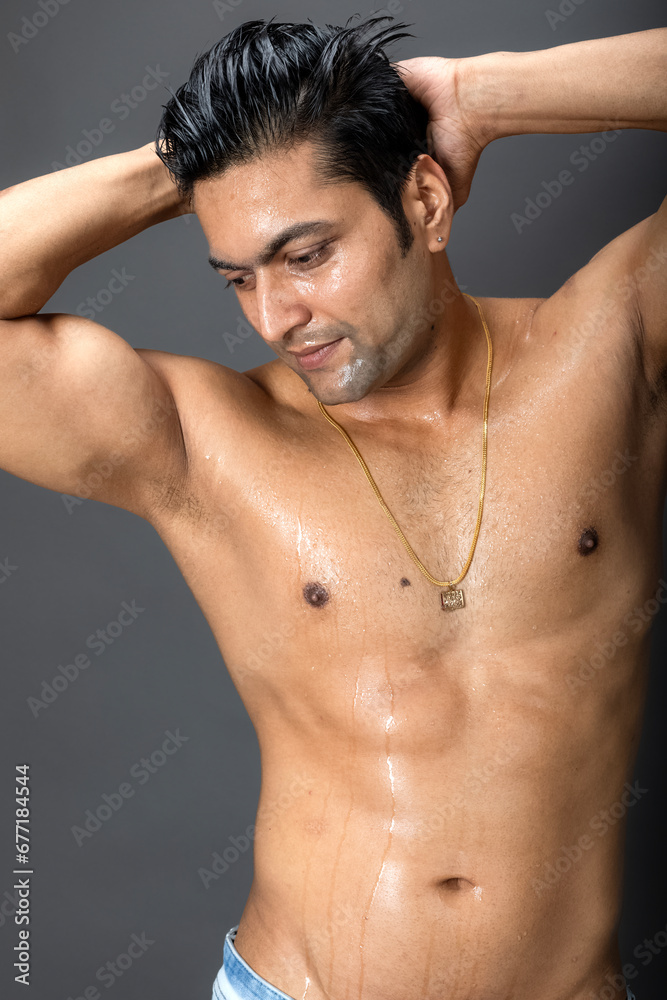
{"x":589,"y":86}
{"x":50,"y":225}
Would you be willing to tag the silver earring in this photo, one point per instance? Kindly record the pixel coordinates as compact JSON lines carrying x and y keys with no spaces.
{"x":439,"y":239}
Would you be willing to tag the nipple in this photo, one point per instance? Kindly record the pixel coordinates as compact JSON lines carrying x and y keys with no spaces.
{"x":315,"y":594}
{"x":588,"y":541}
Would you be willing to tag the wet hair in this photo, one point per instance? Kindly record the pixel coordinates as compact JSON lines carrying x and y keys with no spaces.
{"x":268,"y":86}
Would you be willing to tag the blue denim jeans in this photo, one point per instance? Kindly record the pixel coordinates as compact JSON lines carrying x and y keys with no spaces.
{"x":237,"y":981}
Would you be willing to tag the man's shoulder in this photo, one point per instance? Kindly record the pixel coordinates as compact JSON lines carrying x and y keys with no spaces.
{"x":187,"y":369}
{"x":220,"y":411}
{"x":209,"y":394}
{"x":201,"y":385}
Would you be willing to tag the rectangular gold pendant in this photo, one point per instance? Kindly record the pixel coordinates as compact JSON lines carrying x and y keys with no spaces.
{"x":451,"y":599}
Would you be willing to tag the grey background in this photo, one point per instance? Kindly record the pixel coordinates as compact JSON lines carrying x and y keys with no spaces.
{"x":139,"y":872}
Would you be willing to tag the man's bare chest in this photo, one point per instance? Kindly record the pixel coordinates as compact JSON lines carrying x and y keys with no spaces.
{"x":292,"y":530}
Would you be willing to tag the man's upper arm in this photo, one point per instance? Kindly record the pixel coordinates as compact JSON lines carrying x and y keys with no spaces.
{"x":643,"y":283}
{"x":82,"y":412}
{"x":626,"y":281}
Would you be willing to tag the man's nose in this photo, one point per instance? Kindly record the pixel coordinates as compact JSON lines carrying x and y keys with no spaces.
{"x":280,"y":308}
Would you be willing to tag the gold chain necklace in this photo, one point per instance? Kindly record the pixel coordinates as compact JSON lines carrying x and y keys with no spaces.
{"x":450,"y":599}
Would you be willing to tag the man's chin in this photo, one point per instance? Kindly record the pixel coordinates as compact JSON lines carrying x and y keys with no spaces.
{"x":333,"y":386}
{"x":333,"y":395}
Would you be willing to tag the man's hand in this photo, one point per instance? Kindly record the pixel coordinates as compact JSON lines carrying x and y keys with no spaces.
{"x":456,"y":135}
{"x":588,"y":86}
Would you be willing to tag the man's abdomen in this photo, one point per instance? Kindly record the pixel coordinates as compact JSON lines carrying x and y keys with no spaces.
{"x":456,"y":838}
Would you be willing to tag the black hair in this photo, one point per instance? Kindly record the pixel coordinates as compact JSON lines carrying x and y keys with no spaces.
{"x":269,"y":85}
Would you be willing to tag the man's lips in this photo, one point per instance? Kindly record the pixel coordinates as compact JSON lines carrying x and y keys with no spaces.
{"x":313,"y":357}
{"x":312,"y":350}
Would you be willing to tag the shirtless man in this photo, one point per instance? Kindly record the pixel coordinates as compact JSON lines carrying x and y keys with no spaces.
{"x":435,"y":780}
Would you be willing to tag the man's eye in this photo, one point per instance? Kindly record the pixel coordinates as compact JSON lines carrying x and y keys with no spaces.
{"x":304,"y":260}
{"x":309,"y":258}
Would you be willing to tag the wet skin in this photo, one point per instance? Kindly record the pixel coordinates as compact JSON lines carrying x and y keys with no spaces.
{"x":423,"y":770}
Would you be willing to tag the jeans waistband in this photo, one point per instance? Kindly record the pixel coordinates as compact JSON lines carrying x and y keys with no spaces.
{"x":237,"y":981}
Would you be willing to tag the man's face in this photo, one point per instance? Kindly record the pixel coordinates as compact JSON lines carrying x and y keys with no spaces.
{"x":342,"y":280}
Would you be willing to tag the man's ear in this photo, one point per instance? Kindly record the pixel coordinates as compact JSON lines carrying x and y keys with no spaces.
{"x":429,"y":200}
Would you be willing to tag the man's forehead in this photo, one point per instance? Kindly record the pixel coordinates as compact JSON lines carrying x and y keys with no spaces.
{"x":292,"y":184}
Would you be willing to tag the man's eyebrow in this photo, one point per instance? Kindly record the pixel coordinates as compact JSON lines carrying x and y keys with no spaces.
{"x":293,"y":232}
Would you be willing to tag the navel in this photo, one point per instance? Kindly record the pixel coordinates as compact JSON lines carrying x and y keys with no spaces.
{"x":315,"y":594}
{"x":588,"y":541}
{"x":457,"y":884}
